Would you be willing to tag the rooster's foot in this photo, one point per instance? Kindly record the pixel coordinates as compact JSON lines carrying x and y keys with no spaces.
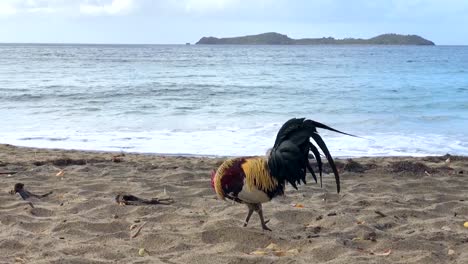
{"x":266,"y":228}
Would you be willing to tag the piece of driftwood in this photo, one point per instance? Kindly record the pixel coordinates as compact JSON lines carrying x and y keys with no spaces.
{"x":129,"y":199}
{"x":7,"y":172}
{"x":380,"y":213}
{"x":25,"y":194}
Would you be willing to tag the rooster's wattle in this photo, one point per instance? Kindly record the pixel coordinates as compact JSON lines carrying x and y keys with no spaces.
{"x":256,"y":180}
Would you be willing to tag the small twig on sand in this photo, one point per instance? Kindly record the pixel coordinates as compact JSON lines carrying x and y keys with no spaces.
{"x":129,"y":199}
{"x":8,"y":172}
{"x":380,"y":213}
{"x":165,"y":201}
{"x":138,"y":230}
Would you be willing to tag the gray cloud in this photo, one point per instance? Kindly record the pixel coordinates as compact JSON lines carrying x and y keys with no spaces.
{"x":64,"y":7}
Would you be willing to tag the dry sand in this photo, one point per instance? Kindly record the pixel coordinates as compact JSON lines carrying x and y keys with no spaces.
{"x":421,"y":204}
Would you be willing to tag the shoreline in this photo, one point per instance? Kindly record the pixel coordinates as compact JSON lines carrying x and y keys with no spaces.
{"x":343,"y":157}
{"x":390,"y":210}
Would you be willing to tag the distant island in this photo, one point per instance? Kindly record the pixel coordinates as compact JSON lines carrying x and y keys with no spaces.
{"x":273,"y":38}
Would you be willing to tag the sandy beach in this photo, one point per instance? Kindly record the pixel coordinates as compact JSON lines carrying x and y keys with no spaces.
{"x":390,"y":210}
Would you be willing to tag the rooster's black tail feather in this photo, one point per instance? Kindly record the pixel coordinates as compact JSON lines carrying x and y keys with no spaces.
{"x":289,"y":158}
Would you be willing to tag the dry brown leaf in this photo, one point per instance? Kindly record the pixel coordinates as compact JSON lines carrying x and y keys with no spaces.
{"x":133,"y":226}
{"x":451,"y":252}
{"x":21,"y":260}
{"x":274,"y":249}
{"x":360,"y":222}
{"x":273,"y":246}
{"x":465,"y":224}
{"x":141,"y":252}
{"x":293,"y":251}
{"x":280,"y":253}
{"x":60,"y":173}
{"x":258,"y":253}
{"x":298,"y":205}
{"x":385,"y":253}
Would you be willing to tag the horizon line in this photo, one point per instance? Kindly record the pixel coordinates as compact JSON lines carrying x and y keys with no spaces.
{"x":192,"y":44}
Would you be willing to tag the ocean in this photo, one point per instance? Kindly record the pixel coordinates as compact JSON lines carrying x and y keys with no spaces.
{"x":231,"y":100}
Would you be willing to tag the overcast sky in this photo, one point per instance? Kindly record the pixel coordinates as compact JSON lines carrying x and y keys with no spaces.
{"x":181,"y":21}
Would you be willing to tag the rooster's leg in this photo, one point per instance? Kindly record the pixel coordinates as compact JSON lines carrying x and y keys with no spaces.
{"x":251,"y":210}
{"x":258,"y":209}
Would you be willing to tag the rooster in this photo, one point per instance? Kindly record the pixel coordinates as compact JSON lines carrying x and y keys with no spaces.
{"x":256,"y":180}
